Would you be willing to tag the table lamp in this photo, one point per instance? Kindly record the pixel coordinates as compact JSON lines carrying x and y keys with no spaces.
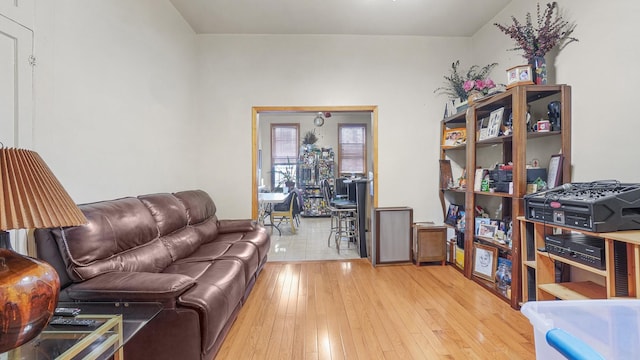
{"x":30,"y":197}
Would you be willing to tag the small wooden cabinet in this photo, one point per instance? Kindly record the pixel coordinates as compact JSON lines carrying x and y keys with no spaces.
{"x":429,"y":243}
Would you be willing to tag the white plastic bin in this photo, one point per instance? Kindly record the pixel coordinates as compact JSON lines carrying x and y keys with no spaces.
{"x":609,"y":327}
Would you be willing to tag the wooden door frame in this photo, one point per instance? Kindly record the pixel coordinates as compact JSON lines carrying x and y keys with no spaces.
{"x":255,"y":129}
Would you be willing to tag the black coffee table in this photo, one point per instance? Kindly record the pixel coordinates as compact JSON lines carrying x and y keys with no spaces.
{"x":113,"y":325}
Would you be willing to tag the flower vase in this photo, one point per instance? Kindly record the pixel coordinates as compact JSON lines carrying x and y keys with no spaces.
{"x":473,"y":96}
{"x":461,"y":106}
{"x":539,"y":68}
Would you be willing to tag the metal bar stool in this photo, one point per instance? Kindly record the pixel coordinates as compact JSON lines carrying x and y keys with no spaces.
{"x":344,"y":219}
{"x":344,"y":226}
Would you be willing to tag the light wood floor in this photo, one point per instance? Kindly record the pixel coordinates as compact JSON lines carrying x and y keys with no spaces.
{"x":350,"y":310}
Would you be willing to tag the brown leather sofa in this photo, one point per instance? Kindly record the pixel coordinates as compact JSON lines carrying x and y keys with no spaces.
{"x":167,"y":248}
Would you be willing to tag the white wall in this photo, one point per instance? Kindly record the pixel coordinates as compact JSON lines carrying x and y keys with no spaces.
{"x":119,"y":86}
{"x":114,"y":97}
{"x":601,"y":69}
{"x":398,"y":74}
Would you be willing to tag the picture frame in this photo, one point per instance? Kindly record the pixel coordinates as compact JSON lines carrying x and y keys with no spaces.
{"x":554,"y":175}
{"x":446,"y":177}
{"x":479,"y":221}
{"x":483,"y":129}
{"x":449,"y":109}
{"x":461,"y":223}
{"x":485,"y":260}
{"x":478,"y":177}
{"x":462,"y":180}
{"x":495,"y":122}
{"x":487,"y":230}
{"x":484,"y":134}
{"x":454,"y":137}
{"x":504,"y":261}
{"x":519,"y":75}
{"x":452,"y":215}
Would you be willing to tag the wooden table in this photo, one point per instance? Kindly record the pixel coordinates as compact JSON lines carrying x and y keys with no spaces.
{"x":265,"y":201}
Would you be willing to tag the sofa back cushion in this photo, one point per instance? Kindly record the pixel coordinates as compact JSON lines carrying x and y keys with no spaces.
{"x":120,"y":235}
{"x":201,"y":213}
{"x":167,"y":211}
{"x":143,"y":234}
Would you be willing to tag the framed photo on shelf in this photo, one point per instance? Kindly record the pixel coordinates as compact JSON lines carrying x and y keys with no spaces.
{"x":504,"y":261}
{"x":485,"y":259}
{"x":495,"y":122}
{"x":477,"y":178}
{"x":461,"y":224}
{"x":554,"y":175}
{"x":487,"y":230}
{"x":454,"y":137}
{"x":446,"y":177}
{"x":480,"y":221}
{"x":452,"y":215}
{"x":483,"y":129}
{"x":519,"y":75}
{"x":449,"y":109}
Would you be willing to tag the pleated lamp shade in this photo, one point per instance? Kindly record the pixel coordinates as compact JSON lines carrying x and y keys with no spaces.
{"x":31,"y":196}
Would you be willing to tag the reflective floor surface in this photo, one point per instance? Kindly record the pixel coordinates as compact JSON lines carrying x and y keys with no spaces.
{"x":308,"y":243}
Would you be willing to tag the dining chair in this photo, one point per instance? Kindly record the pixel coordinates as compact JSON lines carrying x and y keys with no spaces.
{"x":285,"y":211}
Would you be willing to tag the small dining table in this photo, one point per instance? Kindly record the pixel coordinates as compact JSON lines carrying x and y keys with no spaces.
{"x":265,"y":201}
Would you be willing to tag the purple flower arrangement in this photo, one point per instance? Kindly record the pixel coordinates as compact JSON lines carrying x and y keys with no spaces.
{"x":549,"y":31}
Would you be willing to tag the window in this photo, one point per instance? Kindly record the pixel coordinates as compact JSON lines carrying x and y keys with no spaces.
{"x":284,"y":153}
{"x":352,"y":148}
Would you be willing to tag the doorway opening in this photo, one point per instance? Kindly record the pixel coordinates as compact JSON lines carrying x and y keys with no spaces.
{"x":327,"y":129}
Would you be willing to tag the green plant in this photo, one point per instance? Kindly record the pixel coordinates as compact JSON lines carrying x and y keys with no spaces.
{"x":310,"y":137}
{"x":454,"y":87}
{"x":551,"y":30}
{"x":287,"y":173}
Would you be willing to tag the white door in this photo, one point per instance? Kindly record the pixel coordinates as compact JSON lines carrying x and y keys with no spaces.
{"x":16,"y":92}
{"x":16,"y":80}
{"x":20,"y":11}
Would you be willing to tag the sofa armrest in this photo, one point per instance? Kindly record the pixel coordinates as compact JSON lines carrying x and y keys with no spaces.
{"x":241,"y":225}
{"x":131,"y":286}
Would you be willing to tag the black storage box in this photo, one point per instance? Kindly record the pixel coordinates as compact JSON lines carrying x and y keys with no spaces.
{"x":460,"y":239}
{"x":501,"y":175}
{"x":500,"y":186}
{"x":534,"y":174}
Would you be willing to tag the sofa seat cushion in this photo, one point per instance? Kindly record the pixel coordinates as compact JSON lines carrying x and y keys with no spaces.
{"x":259,"y":238}
{"x":131,"y":286}
{"x":243,"y":251}
{"x":208,"y":253}
{"x":219,"y":288}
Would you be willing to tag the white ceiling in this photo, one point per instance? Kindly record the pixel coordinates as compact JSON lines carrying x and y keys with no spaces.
{"x":354,"y":17}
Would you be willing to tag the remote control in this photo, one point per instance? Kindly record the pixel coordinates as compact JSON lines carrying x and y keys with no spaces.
{"x":68,"y":321}
{"x":66,"y":311}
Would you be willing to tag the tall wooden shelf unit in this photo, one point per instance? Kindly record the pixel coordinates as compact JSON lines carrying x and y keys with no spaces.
{"x":456,"y":154}
{"x":510,"y":148}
